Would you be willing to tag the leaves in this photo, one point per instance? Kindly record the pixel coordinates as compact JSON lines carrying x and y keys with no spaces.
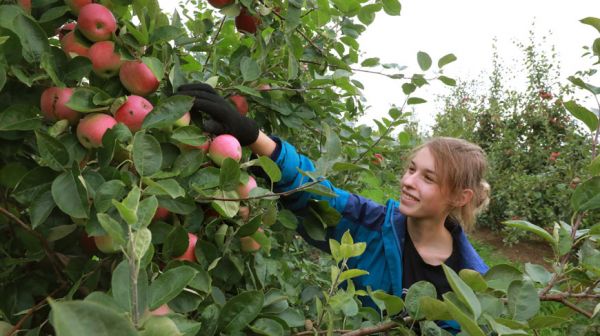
{"x":147,"y":154}
{"x":88,"y":318}
{"x":240,"y":310}
{"x":167,"y":111}
{"x":70,"y":195}
{"x":588,"y":117}
{"x":169,"y":284}
{"x":523,"y":300}
{"x":424,"y":60}
{"x":20,"y":118}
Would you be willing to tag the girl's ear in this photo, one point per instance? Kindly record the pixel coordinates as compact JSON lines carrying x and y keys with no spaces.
{"x":464,"y":197}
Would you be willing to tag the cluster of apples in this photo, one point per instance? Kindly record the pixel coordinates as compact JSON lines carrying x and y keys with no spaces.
{"x":91,"y":36}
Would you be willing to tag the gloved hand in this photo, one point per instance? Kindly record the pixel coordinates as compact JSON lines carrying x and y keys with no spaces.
{"x":224,"y":118}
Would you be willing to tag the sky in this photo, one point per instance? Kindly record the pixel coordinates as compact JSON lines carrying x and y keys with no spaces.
{"x":466,"y":28}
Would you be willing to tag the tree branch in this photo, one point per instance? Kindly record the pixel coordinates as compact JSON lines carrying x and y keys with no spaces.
{"x":372,"y":330}
{"x":30,"y":312}
{"x":567,"y":303}
{"x":214,"y":40}
{"x":285,"y":193}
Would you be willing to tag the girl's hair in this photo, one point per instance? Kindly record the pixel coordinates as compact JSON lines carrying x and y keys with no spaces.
{"x":460,"y":165}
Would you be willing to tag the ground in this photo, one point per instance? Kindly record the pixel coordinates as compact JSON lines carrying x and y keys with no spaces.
{"x":532,"y":251}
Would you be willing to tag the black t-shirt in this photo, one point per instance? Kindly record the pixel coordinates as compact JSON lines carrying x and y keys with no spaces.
{"x":416,"y":269}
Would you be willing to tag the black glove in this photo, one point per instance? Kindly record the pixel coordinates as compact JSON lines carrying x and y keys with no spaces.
{"x":224,"y":118}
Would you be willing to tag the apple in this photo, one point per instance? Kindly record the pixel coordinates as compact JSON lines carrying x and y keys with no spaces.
{"x":64,"y":29}
{"x":246,"y":22}
{"x":161,"y":311}
{"x":377,"y":159}
{"x":220,"y":3}
{"x":244,"y":213}
{"x":264,"y":87}
{"x":106,"y":244}
{"x":184,"y":121}
{"x":133,"y":112}
{"x":189,"y":253}
{"x":241,"y":104}
{"x":25,"y":4}
{"x":92,"y":127}
{"x":96,"y":22}
{"x":74,"y":46}
{"x":224,"y":146}
{"x":87,"y":243}
{"x":248,"y":244}
{"x":105,"y":61}
{"x":204,"y":147}
{"x":137,"y":78}
{"x":77,"y":5}
{"x":244,"y":189}
{"x":53,"y":105}
{"x":161,"y":214}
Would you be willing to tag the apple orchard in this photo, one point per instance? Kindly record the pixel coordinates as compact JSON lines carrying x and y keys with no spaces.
{"x":120,"y":216}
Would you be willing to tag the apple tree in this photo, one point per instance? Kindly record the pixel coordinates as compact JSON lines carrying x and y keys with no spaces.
{"x":121,"y":216}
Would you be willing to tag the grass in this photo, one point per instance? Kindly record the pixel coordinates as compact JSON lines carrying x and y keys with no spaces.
{"x":491,"y":256}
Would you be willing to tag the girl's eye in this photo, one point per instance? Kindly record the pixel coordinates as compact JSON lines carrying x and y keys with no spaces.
{"x":429,"y":179}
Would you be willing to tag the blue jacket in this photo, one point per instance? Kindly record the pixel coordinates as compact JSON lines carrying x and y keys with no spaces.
{"x":381,"y":227}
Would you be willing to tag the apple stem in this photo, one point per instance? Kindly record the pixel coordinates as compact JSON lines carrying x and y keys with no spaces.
{"x":134,"y":267}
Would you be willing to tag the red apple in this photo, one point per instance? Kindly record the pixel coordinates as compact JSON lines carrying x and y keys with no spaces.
{"x":224,"y":146}
{"x":133,"y":112}
{"x":106,"y":244}
{"x":248,"y":244}
{"x":161,"y":214}
{"x":241,"y":104}
{"x":53,"y":105}
{"x":64,"y":29}
{"x":264,"y":87}
{"x":161,"y":311}
{"x":220,"y":3}
{"x":105,"y":61}
{"x":204,"y":147}
{"x":92,"y":127}
{"x":189,"y":253}
{"x":73,"y":46}
{"x":25,"y":4}
{"x":244,"y":189}
{"x":77,"y":5}
{"x":377,"y":159}
{"x":137,"y":78}
{"x":244,"y":213}
{"x":184,"y":121}
{"x":246,"y":22}
{"x":87,"y":243}
{"x":96,"y":22}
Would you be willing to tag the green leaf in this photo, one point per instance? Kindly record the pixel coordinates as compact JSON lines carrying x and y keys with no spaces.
{"x":523,"y":300}
{"x":249,"y":68}
{"x":168,"y":187}
{"x":142,"y":239}
{"x":408,"y":88}
{"x":500,"y":276}
{"x":527,"y":226}
{"x":229,"y":174}
{"x":266,"y":326}
{"x":189,"y":135}
{"x":176,"y":242}
{"x":82,"y":99}
{"x":466,"y":322}
{"x":434,"y":309}
{"x":52,"y":151}
{"x":587,"y":195}
{"x":287,"y":219}
{"x":538,"y":273}
{"x":70,"y":194}
{"x":41,"y":208}
{"x":583,"y":85}
{"x":168,"y":111}
{"x":393,"y":304}
{"x":147,"y":154}
{"x":156,"y":66}
{"x":543,"y":322}
{"x":351,"y":273}
{"x":121,"y":287}
{"x":366,"y":15}
{"x":270,"y":168}
{"x":334,"y":247}
{"x":392,"y":7}
{"x":227,"y":209}
{"x":73,"y":318}
{"x":109,"y":190}
{"x":474,"y":279}
{"x":415,"y":101}
{"x":292,"y":67}
{"x":60,"y":231}
{"x":589,"y":257}
{"x":447,"y":80}
{"x":588,"y":117}
{"x":169,"y":284}
{"x":416,"y":292}
{"x":446,"y":59}
{"x":424,"y":60}
{"x":146,"y":211}
{"x":240,"y":310}
{"x":33,"y":39}
{"x":463,"y":291}
{"x":128,"y":208}
{"x":592,"y":21}
{"x":20,"y":117}
{"x":113,"y":228}
{"x":159,"y":326}
{"x":501,"y":329}
{"x":48,"y":63}
{"x":347,"y":7}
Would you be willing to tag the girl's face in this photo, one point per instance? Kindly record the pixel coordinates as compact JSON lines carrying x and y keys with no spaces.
{"x":422,"y":195}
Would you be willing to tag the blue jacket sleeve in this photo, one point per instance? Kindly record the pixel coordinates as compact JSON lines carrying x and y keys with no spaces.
{"x":355,"y":210}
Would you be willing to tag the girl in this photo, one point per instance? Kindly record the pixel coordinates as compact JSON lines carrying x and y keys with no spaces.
{"x":443,"y":188}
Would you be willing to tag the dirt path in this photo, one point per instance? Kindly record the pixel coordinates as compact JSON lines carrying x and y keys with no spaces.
{"x":536,"y":252}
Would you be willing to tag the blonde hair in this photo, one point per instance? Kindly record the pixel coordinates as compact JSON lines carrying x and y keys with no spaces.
{"x":460,"y":165}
